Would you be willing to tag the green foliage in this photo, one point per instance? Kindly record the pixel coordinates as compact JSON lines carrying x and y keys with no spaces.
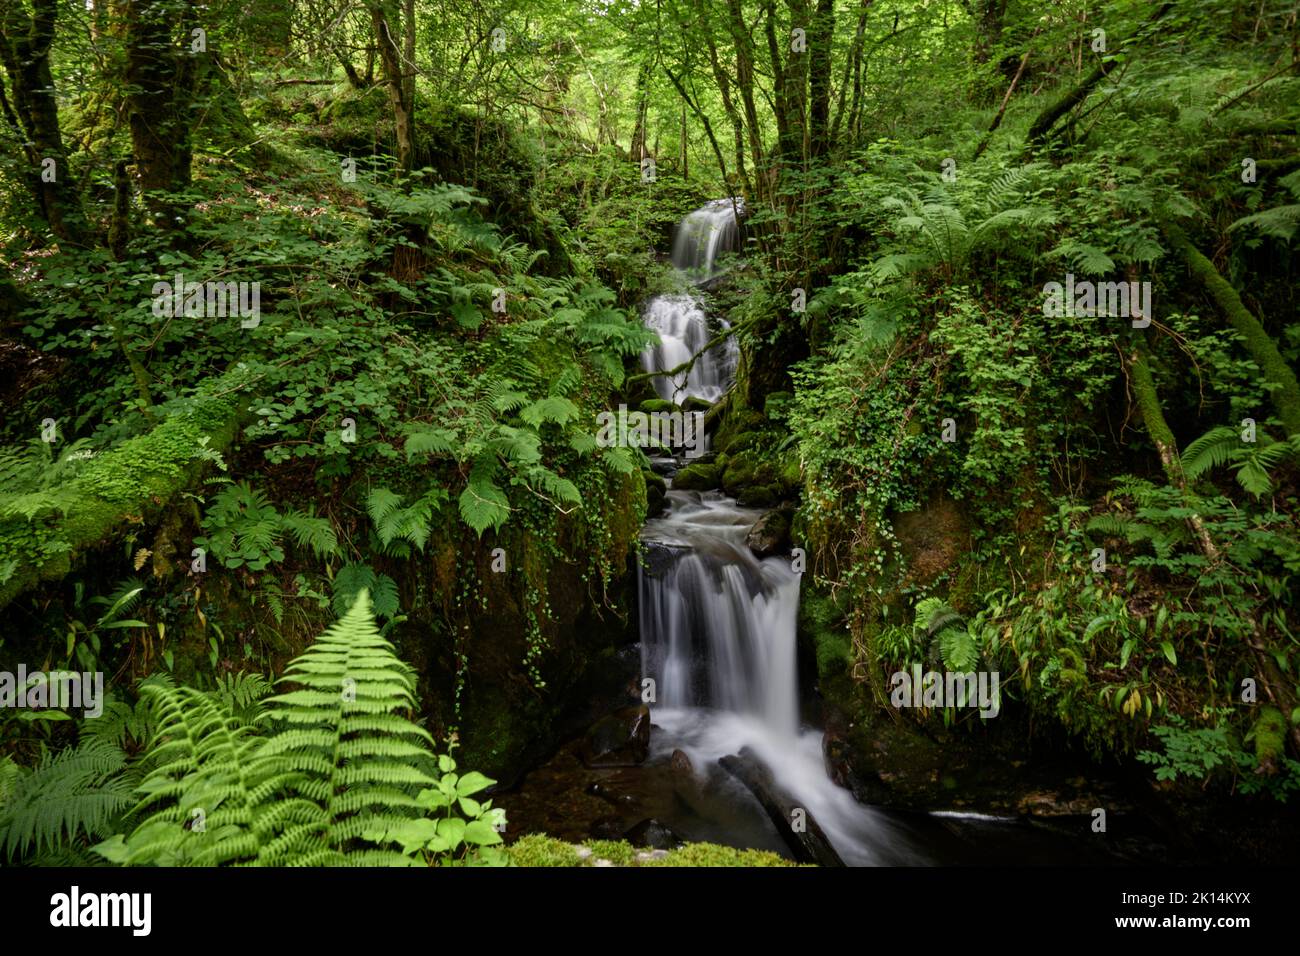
{"x":245,"y":530}
{"x":1199,"y":753}
{"x":68,"y":796}
{"x":332,"y":773}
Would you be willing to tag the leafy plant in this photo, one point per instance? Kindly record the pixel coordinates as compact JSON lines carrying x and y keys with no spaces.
{"x":332,"y":774}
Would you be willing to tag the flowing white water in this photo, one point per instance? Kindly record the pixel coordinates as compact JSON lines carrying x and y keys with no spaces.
{"x":682,"y":325}
{"x":718,"y":626}
{"x":718,"y":636}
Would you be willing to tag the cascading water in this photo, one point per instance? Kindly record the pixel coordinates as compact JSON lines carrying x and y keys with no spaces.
{"x":682,"y":325}
{"x":718,"y":625}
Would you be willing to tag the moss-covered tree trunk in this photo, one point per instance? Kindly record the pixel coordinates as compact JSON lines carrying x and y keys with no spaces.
{"x":160,"y":80}
{"x":1262,"y":348}
{"x":25,"y":44}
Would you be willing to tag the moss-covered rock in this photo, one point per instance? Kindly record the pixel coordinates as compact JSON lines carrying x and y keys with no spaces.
{"x":751,"y":479}
{"x":743,"y":442}
{"x":759,"y":496}
{"x":701,"y":476}
{"x":539,"y":850}
{"x":652,"y":405}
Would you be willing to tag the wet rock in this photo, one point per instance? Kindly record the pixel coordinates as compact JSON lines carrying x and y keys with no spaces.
{"x":620,"y":740}
{"x":770,"y":534}
{"x":598,"y":789}
{"x":693,"y":403}
{"x":680,"y":764}
{"x":608,"y":828}
{"x":654,"y":835}
{"x":697,"y":477}
{"x":794,"y":823}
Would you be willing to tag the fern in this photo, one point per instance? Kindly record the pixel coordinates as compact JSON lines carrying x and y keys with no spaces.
{"x":77,"y":792}
{"x":356,"y":578}
{"x":1280,"y":222}
{"x":1083,"y":258}
{"x":339,"y":776}
{"x":1252,"y":461}
{"x":950,"y":639}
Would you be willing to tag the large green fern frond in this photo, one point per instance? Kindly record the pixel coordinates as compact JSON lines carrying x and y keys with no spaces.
{"x":77,"y":792}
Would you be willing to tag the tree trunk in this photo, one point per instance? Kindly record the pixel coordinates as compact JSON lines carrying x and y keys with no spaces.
{"x":160,"y":81}
{"x":25,"y":51}
{"x":390,"y":60}
{"x":820,"y":39}
{"x":1262,"y":348}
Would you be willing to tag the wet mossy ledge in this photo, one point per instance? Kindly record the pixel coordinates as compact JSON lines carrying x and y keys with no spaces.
{"x":512,"y":662}
{"x":537,"y":850}
{"x":131,"y":484}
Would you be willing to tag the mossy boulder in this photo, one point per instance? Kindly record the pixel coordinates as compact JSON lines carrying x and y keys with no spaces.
{"x":700,"y":476}
{"x":759,"y":496}
{"x":537,"y":849}
{"x":743,"y":442}
{"x":656,"y":490}
{"x":751,"y":478}
{"x":652,"y":405}
{"x":737,"y":421}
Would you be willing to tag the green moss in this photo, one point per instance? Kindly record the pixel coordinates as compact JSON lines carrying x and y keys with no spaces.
{"x":743,"y":441}
{"x":710,"y":854}
{"x":759,"y":496}
{"x":618,"y":852}
{"x":697,"y":477}
{"x":652,"y":405}
{"x":746,"y":468}
{"x":823,"y":623}
{"x":539,"y":850}
{"x":118,"y":487}
{"x":536,"y":849}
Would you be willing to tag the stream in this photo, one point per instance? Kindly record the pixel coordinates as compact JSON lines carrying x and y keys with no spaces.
{"x":718,"y":637}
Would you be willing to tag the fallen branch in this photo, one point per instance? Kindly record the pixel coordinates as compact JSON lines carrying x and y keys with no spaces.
{"x":997,"y":120}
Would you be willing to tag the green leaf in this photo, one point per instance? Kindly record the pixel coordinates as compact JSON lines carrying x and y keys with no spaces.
{"x":1169,"y":652}
{"x":467,"y":315}
{"x":1126,"y":651}
{"x":481,"y":832}
{"x":472,"y":783}
{"x":452,"y":829}
{"x":483,"y":505}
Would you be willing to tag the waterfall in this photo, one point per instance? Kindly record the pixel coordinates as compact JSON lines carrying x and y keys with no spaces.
{"x":719,"y":626}
{"x":682,"y":325}
{"x":719,"y":640}
{"x":703,"y":235}
{"x":683,"y":331}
